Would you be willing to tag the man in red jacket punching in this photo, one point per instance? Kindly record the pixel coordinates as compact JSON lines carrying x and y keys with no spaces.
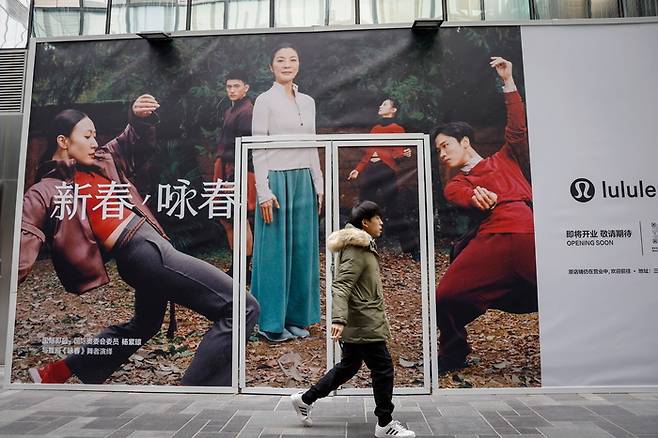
{"x":496,"y":269}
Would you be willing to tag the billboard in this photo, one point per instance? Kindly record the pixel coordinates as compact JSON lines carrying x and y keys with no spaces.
{"x":125,"y":271}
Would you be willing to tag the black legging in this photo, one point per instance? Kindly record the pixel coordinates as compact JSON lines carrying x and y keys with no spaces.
{"x":160,"y":273}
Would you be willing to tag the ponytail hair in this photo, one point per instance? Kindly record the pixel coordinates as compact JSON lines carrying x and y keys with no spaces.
{"x":62,"y":124}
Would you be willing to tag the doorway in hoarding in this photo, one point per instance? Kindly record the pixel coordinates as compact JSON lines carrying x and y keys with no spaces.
{"x":389,"y":169}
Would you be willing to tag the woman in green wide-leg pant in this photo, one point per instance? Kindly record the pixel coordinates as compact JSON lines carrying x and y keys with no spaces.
{"x":286,"y":271}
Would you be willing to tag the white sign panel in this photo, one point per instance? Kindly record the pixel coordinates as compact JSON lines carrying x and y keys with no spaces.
{"x":593,"y":118}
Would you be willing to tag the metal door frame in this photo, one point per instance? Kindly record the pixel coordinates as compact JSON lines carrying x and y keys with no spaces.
{"x":331,"y":143}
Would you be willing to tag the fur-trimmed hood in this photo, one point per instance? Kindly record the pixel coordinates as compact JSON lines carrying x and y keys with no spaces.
{"x":350,"y":235}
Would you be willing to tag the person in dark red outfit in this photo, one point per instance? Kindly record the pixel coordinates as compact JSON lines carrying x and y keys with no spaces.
{"x":377,"y":173}
{"x":237,"y":123}
{"x":496,"y":269}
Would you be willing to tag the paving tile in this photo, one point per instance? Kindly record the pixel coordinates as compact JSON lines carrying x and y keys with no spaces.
{"x":613,"y":429}
{"x":459,"y":411}
{"x":495,"y":419}
{"x":20,"y":427}
{"x":609,"y":410}
{"x":639,"y":407}
{"x":527,"y":421}
{"x":216,"y":435}
{"x":250,"y":432}
{"x":506,"y":430}
{"x":147,"y":434}
{"x":158,"y":422}
{"x":496,"y":405}
{"x":421,"y":428}
{"x":538,"y":435}
{"x":191,"y":428}
{"x":108,"y":423}
{"x":105,"y":412}
{"x":455,"y":425}
{"x":581,"y":431}
{"x":77,"y":428}
{"x":639,"y":425}
{"x":277,"y":419}
{"x":177,"y":407}
{"x":214,"y":414}
{"x":564,"y":413}
{"x":538,"y":400}
{"x":121,"y":433}
{"x":527,"y":430}
{"x":51,"y":426}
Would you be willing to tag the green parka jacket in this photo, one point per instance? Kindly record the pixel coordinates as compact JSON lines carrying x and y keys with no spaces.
{"x":358,"y":299}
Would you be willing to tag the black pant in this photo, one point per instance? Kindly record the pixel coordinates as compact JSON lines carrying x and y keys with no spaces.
{"x":378,"y":183}
{"x":377,"y":359}
{"x":159,"y":273}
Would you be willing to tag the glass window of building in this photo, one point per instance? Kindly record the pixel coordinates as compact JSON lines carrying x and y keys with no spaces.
{"x":464,"y":10}
{"x":14,"y":18}
{"x":247,"y":14}
{"x":604,"y":9}
{"x":506,"y":10}
{"x":54,"y":18}
{"x":341,"y":12}
{"x":208,"y":15}
{"x":548,"y":9}
{"x":640,"y":8}
{"x":130,"y":16}
{"x":399,"y":11}
{"x":229,"y":14}
{"x":291,"y":13}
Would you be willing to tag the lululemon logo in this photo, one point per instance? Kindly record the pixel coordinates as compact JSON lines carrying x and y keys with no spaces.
{"x":582,"y":190}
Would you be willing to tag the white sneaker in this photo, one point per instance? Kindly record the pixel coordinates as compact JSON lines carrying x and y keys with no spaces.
{"x":303,"y":410}
{"x":394,"y":428}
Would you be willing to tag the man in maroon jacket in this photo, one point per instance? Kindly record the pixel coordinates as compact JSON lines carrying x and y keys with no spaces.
{"x":237,"y":123}
{"x":496,"y":269}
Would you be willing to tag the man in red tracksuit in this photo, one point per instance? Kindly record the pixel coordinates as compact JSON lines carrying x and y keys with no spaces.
{"x":496,"y":269}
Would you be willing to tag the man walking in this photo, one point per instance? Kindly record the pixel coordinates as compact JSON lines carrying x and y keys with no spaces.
{"x":359,"y":320}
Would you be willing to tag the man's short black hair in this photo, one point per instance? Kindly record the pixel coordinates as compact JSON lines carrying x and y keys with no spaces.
{"x":239,"y":75}
{"x":365,"y":210}
{"x":393,"y":101}
{"x":459,"y":130}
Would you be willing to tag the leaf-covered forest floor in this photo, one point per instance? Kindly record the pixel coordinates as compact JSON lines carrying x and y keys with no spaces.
{"x":505,"y":346}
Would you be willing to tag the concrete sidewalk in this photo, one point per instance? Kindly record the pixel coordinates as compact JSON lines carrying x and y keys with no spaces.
{"x":117,"y":414}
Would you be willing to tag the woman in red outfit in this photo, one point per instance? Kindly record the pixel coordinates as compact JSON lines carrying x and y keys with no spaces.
{"x":87,"y":209}
{"x":377,"y":174}
{"x":496,"y":269}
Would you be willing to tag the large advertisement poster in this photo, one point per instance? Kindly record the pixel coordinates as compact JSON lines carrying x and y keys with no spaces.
{"x":594,"y":173}
{"x":126,"y":244}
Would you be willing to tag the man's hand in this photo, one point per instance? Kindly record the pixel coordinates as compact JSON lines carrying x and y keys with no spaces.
{"x":336,"y":331}
{"x":267,"y":209}
{"x":320,"y":199}
{"x":354,"y":174}
{"x":483,"y":199}
{"x":145,"y":105}
{"x":406,"y":152}
{"x":504,"y":69}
